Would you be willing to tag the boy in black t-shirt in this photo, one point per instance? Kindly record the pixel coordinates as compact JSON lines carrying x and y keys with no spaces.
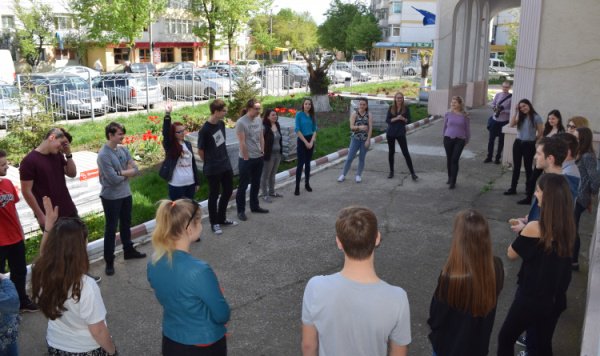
{"x":212,"y":149}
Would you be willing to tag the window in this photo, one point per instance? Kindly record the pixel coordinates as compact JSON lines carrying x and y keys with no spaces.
{"x":64,"y":54}
{"x":394,"y":30}
{"x":187,"y":54}
{"x":145,"y":55}
{"x":385,"y":32}
{"x":121,"y":55}
{"x":167,"y":55}
{"x":181,"y":26}
{"x":8,"y":21}
{"x":64,"y":22}
{"x":397,"y":7}
{"x":414,"y":55}
{"x":382,"y":14}
{"x":179,"y":4}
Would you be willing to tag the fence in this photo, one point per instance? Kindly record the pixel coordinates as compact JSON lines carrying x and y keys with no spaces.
{"x":73,"y":97}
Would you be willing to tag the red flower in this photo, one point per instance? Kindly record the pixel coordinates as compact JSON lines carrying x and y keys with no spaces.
{"x":292,"y":111}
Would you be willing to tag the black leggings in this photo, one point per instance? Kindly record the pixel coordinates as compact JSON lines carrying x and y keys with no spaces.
{"x":304,"y":158}
{"x":172,"y":348}
{"x":454,"y":148}
{"x":15,"y":255}
{"x":523,"y":152}
{"x":403,"y":147}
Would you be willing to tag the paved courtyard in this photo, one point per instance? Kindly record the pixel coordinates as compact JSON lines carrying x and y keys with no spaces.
{"x":263,"y":264}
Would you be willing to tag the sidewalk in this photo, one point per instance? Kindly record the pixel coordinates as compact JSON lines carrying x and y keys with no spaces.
{"x":263,"y":264}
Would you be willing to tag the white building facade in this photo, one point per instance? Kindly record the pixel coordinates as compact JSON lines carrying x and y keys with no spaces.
{"x":403,"y":32}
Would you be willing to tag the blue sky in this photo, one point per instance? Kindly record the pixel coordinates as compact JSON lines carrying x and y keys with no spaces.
{"x":316,"y":7}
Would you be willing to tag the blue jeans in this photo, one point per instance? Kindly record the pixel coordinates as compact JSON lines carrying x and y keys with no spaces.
{"x":250,"y":172}
{"x":187,"y":191}
{"x":116,"y":211}
{"x":356,"y":146}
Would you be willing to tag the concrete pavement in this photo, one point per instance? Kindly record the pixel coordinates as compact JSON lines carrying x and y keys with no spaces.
{"x":263,"y":264}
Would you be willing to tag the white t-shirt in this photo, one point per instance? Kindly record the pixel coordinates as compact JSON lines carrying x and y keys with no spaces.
{"x":183,"y":175}
{"x":70,"y":332}
{"x":354,"y":318}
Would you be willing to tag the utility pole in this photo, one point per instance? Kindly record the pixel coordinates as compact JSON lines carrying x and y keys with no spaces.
{"x":150,"y":43}
{"x":271,"y":34}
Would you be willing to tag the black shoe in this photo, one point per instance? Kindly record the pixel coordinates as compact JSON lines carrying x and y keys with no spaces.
{"x":497,"y":161}
{"x":133,"y":254}
{"x":391,"y":175}
{"x":297,"y":190}
{"x":27,"y":306}
{"x":414,"y":176}
{"x":260,"y":210}
{"x":487,"y":160}
{"x":510,"y":191}
{"x":525,"y":201}
{"x":242,"y":216}
{"x":452,"y":186}
{"x":575,"y":266}
{"x":308,"y":188}
{"x":109,"y":270}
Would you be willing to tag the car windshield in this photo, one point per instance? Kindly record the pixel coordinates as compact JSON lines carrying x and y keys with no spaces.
{"x":70,"y":83}
{"x":242,"y":63}
{"x":8,"y":91}
{"x":208,"y":74}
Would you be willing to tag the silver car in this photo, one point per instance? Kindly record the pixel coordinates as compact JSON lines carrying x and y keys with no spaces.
{"x":70,"y":96}
{"x":201,"y":83}
{"x":14,"y":105}
{"x":357,"y":73}
{"x":128,"y":90}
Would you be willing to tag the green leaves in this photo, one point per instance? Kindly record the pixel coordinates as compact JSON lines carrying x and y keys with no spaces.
{"x":38,"y":27}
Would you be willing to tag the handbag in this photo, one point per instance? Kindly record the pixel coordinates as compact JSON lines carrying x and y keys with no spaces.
{"x":164,"y":170}
{"x":490,"y":122}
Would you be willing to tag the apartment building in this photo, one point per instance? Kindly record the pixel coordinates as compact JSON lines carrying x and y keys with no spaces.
{"x":173,"y":39}
{"x":500,"y":30}
{"x":403,"y":32}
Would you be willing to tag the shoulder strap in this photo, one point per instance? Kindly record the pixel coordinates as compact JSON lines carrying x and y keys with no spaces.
{"x":506,"y":98}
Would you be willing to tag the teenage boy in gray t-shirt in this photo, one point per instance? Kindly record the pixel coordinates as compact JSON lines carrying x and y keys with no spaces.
{"x":250,"y":135}
{"x":353,"y":312}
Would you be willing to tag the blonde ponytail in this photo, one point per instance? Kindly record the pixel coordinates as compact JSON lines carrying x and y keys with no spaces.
{"x":171,"y":221}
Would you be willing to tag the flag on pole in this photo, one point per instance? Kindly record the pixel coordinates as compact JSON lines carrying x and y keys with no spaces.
{"x":428,"y":17}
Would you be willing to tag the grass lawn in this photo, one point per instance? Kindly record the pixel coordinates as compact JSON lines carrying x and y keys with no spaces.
{"x":409,"y":88}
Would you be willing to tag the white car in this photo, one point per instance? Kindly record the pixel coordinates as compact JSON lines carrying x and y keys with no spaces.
{"x":338,"y":76}
{"x":83,"y":72}
{"x":251,"y":64}
{"x":357,"y":73}
{"x":499,"y":75}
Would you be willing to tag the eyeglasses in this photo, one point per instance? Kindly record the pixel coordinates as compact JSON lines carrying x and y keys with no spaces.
{"x":571,"y":126}
{"x":196,"y":207}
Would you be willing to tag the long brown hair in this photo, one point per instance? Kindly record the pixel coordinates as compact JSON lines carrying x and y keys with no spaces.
{"x":176,"y":147}
{"x":468,"y":280}
{"x":557,"y":223}
{"x":586,"y":138}
{"x":311,"y":112}
{"x":57,"y":273}
{"x":394,"y":109}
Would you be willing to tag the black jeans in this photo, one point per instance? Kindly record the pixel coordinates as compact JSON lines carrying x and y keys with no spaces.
{"x":532,"y":315}
{"x":172,"y":348}
{"x":577,"y":246}
{"x":532,"y":181}
{"x":454,"y":148}
{"x":217,"y":213}
{"x":116,"y":211}
{"x":15,"y":255}
{"x":403,"y":147}
{"x":523,"y":152}
{"x":304,"y":158}
{"x":250,"y":172}
{"x":496,"y":131}
{"x":187,"y":191}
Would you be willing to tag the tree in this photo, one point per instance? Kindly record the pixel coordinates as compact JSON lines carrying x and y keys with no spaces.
{"x":38,"y":25}
{"x":363,"y":32}
{"x":296,"y":30}
{"x":116,"y":20}
{"x":234,"y":14}
{"x":333,"y":33}
{"x":209,"y":10}
{"x":510,"y":51}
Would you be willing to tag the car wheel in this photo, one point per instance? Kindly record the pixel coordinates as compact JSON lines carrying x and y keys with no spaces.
{"x":210,"y":93}
{"x":168,"y":93}
{"x":411,"y":71}
{"x":112,"y":106}
{"x":151,"y":106}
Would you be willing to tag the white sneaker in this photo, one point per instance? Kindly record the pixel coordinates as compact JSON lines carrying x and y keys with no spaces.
{"x":358,"y":179}
{"x":341,"y":178}
{"x":216,"y":228}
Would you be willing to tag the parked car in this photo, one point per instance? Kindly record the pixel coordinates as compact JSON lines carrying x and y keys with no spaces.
{"x":293,"y":75}
{"x":358,"y":74}
{"x":83,"y":72}
{"x":411,"y":69}
{"x":14,"y":105}
{"x":136,"y":68}
{"x":69,"y":96}
{"x":235,"y":73}
{"x":499,"y":75}
{"x":201,"y":83}
{"x":175,"y":66}
{"x":499,"y":65}
{"x":338,"y":76}
{"x":128,"y":90}
{"x":360,"y":58}
{"x":251,"y":64}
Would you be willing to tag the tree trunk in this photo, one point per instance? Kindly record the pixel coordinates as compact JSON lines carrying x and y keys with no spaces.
{"x":321,"y":103}
{"x":423,"y":82}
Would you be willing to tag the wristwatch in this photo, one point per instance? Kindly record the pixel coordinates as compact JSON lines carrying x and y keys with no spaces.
{"x":70,"y":155}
